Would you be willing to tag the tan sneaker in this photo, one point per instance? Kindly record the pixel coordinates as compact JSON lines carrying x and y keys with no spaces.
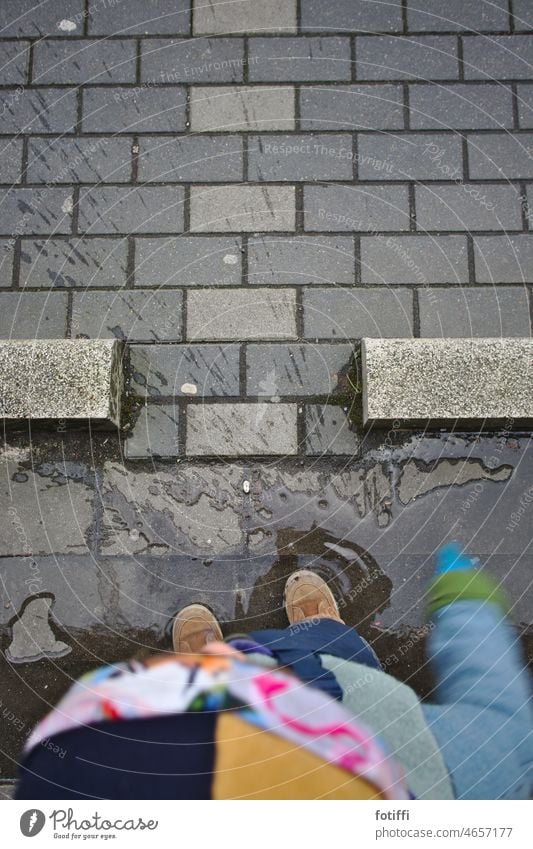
{"x":194,"y":627}
{"x":307,"y":596}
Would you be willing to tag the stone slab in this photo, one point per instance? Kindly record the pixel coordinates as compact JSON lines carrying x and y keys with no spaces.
{"x":299,"y":59}
{"x":357,"y":107}
{"x":468,"y":311}
{"x":327,"y":428}
{"x":48,"y":509}
{"x":79,"y":61}
{"x":188,"y":261}
{"x":79,"y":160}
{"x":144,"y":315}
{"x":242,"y":208}
{"x":61,"y":379}
{"x":33,"y":315}
{"x":78,"y":262}
{"x":155,"y":433}
{"x":301,"y":259}
{"x":241,"y":314}
{"x":123,"y":209}
{"x":194,"y":60}
{"x":233,"y":430}
{"x":26,"y":17}
{"x":461,"y":106}
{"x":242,"y":108}
{"x":475,"y":381}
{"x":191,"y":158}
{"x":300,"y":157}
{"x":158,"y":17}
{"x":11,"y":160}
{"x":294,"y":370}
{"x":220,"y":17}
{"x":430,"y":57}
{"x":476,"y":15}
{"x":171,"y":370}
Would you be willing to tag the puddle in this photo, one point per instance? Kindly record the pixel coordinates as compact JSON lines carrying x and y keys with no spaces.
{"x":160,"y":536}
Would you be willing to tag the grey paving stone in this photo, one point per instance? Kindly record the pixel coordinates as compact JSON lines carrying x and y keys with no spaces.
{"x":504,"y":259}
{"x":233,"y":430}
{"x":196,"y":508}
{"x":356,"y":208}
{"x":138,"y":209}
{"x":241,"y":314}
{"x":61,"y":379}
{"x":300,"y":157}
{"x":26,"y":17}
{"x":299,"y":59}
{"x":219,"y":17}
{"x":352,"y":313}
{"x":466,"y":312}
{"x":73,"y":262}
{"x":509,"y":57}
{"x":155,"y":433}
{"x":254,"y":108}
{"x":193,"y":158}
{"x":194,"y":60}
{"x":43,"y":110}
{"x":357,"y":107}
{"x":242,"y":208}
{"x":349,"y":15}
{"x":81,"y":61}
{"x":429,"y":57}
{"x":460,"y":107}
{"x":10,"y":160}
{"x":525,"y":106}
{"x":294,"y":370}
{"x":522,"y":17}
{"x":33,"y":315}
{"x":327,"y":431}
{"x":79,"y":160}
{"x":140,"y":316}
{"x":188,"y":261}
{"x":135,"y":109}
{"x":6,"y":262}
{"x":301,"y":259}
{"x":411,"y":157}
{"x":143,"y":17}
{"x":162,"y":370}
{"x":476,"y":15}
{"x":14,"y":61}
{"x":45,"y":210}
{"x":64,"y":510}
{"x":468,"y":207}
{"x":423,"y":260}
{"x":500,"y":156}
{"x":416,"y":380}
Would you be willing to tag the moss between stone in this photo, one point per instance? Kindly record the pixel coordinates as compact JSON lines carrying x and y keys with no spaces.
{"x":130,"y":411}
{"x":349,"y":394}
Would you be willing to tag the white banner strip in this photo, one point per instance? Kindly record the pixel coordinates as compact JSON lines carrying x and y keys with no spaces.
{"x":268,"y":825}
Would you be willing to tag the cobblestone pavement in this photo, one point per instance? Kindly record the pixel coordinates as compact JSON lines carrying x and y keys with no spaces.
{"x":241,"y":191}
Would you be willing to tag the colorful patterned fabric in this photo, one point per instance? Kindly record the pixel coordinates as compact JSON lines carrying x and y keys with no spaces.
{"x":267,"y":699}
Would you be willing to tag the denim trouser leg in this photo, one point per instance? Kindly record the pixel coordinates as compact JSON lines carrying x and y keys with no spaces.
{"x":301,"y":645}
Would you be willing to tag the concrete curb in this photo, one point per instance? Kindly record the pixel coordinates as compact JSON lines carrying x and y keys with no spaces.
{"x":61,"y":379}
{"x":443,"y":381}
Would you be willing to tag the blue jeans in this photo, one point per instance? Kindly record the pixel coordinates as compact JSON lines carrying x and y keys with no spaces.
{"x":300,"y":646}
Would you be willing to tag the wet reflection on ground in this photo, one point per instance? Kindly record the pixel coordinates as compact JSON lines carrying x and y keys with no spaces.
{"x":101,"y":555}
